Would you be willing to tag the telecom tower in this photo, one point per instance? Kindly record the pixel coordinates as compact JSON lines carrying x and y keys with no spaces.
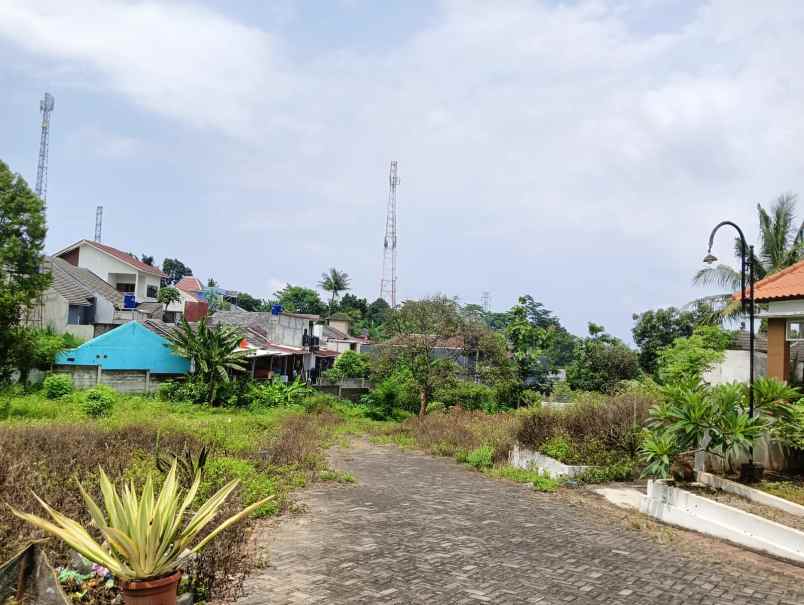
{"x":388,"y":280}
{"x":485,"y":300}
{"x":45,"y":106}
{"x":98,"y":223}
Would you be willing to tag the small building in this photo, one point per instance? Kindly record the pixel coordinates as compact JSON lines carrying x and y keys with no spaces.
{"x":335,"y":335}
{"x":124,"y":271}
{"x":130,"y":358}
{"x":781,"y":303}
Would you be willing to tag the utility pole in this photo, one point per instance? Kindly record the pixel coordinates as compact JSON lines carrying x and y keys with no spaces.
{"x":388,"y":283}
{"x":99,"y":224}
{"x":45,"y":107}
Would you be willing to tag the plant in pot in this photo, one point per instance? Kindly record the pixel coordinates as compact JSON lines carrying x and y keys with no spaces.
{"x":145,"y":537}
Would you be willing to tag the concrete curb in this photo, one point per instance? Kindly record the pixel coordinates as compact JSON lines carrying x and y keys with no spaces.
{"x":675,"y":506}
{"x":750,"y":493}
{"x":522,"y":457}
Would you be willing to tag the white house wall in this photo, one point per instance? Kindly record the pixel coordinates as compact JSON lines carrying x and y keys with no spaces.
{"x":735,"y":367}
{"x":54,"y":311}
{"x":784,"y":308}
{"x":143,"y":281}
{"x":116,"y":271}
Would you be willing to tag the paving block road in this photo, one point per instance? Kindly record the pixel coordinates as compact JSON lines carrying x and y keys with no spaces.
{"x":419,"y":529}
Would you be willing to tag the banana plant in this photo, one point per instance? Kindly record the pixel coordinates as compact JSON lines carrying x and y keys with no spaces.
{"x":145,"y":536}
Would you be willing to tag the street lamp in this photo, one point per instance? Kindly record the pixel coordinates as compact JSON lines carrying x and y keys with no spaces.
{"x":747,"y":301}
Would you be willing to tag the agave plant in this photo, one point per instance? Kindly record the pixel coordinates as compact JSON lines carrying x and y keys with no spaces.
{"x":144,"y":536}
{"x":189,"y":464}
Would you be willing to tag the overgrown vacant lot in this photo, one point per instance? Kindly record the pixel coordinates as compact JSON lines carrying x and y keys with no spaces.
{"x":45,"y":445}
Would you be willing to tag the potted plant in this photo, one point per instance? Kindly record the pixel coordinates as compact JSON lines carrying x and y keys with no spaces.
{"x":145,"y":537}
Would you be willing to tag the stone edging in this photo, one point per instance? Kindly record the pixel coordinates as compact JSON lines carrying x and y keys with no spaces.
{"x":750,"y":493}
{"x":522,"y":457}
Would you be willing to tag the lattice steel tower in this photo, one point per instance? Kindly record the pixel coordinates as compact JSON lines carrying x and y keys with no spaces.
{"x":98,"y":224}
{"x":45,"y":107}
{"x":388,"y":281}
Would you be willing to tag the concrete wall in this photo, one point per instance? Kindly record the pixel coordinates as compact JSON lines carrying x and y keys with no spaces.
{"x":735,"y":368}
{"x":287,"y":329}
{"x":122,"y":381}
{"x":85,"y":332}
{"x":54,"y":311}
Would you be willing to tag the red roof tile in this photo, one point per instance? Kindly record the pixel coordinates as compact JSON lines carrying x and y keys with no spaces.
{"x":190,"y":284}
{"x":784,"y":285}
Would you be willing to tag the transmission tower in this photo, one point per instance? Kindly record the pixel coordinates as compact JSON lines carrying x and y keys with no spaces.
{"x":388,"y":280}
{"x":45,"y":107}
{"x":485,"y":300}
{"x":98,"y":223}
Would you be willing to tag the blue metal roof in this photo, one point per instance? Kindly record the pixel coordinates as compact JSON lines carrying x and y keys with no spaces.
{"x":131,"y":346}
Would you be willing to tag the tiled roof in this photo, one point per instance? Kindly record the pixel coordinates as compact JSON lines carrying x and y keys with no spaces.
{"x":784,"y":285}
{"x":188,"y":283}
{"x":77,"y":284}
{"x":119,"y":255}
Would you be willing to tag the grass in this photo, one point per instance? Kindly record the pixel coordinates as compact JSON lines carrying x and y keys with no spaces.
{"x":789,"y":490}
{"x":541,"y":481}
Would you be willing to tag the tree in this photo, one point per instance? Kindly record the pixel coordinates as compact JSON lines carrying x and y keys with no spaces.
{"x":689,"y":357}
{"x":657,"y":329}
{"x":334,"y":281}
{"x":249,"y":303}
{"x":781,"y":244}
{"x":350,"y":302}
{"x":529,"y":342}
{"x":22,"y":280}
{"x":175,"y":270}
{"x":298,"y":299}
{"x":214,"y":351}
{"x":420,"y":328}
{"x":148,"y":260}
{"x":601,"y":362}
{"x":211,"y":283}
{"x":168,"y":295}
{"x":378,"y":312}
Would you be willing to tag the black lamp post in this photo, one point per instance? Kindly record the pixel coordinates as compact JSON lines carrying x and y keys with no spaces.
{"x":747,"y":300}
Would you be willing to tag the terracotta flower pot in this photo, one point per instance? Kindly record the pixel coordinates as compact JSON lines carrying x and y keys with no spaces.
{"x":161,"y":591}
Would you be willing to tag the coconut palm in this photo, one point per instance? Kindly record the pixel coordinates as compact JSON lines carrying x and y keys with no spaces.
{"x":334,"y":281}
{"x":214,"y":351}
{"x":781,"y":244}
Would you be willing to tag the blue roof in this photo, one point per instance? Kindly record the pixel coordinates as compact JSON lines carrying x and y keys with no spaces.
{"x":131,"y":346}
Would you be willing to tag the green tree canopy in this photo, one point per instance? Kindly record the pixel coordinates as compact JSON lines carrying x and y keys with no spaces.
{"x":689,"y":357}
{"x":335,"y":282}
{"x":22,"y":278}
{"x":300,"y":300}
{"x":175,"y":270}
{"x":601,"y":362}
{"x":658,"y":328}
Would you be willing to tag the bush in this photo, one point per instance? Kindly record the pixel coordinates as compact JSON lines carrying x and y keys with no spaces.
{"x":468,"y":395}
{"x":397,"y":392}
{"x":56,"y":386}
{"x":688,"y":358}
{"x":349,"y":364}
{"x":191,"y":390}
{"x":98,"y":401}
{"x":481,"y":457}
{"x":277,"y":393}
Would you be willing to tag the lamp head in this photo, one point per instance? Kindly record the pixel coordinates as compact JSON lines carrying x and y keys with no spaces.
{"x":710,"y":258}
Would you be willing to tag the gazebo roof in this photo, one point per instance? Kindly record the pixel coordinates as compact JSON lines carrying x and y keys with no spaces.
{"x":787,"y":284}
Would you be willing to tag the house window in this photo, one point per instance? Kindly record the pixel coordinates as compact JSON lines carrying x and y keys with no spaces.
{"x":152,"y":292}
{"x":125,"y":287}
{"x":795,"y":329}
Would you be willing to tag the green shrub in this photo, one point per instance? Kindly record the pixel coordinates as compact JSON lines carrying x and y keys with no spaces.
{"x":558,"y":447}
{"x":541,"y":481}
{"x":481,"y":457}
{"x":56,"y":386}
{"x":397,"y":392}
{"x":191,"y":390}
{"x":349,"y":364}
{"x":98,"y":401}
{"x":618,"y":471}
{"x":277,"y":393}
{"x":468,"y":395}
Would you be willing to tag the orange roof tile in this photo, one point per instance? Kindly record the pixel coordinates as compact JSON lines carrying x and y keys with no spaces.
{"x":784,"y":285}
{"x":188,"y":283}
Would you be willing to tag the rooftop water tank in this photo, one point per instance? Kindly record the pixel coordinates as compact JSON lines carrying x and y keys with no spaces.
{"x":276,"y":309}
{"x":129,"y":301}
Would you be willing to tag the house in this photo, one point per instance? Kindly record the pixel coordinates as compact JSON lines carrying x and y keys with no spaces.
{"x":76,"y":301}
{"x":124,"y":271}
{"x":131,"y":358}
{"x":335,"y":335}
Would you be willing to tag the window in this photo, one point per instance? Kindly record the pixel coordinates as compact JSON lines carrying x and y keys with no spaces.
{"x":125,"y":287}
{"x":152,"y":291}
{"x":795,"y":329}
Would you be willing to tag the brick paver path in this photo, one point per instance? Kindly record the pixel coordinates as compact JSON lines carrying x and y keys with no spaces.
{"x":417,"y":529}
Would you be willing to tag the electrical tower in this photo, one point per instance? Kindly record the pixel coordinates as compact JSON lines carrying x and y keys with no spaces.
{"x":45,"y":107}
{"x":388,"y":280}
{"x":98,"y":223}
{"x":485,"y":300}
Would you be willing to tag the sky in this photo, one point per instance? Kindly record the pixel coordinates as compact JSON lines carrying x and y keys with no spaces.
{"x":579,"y":152}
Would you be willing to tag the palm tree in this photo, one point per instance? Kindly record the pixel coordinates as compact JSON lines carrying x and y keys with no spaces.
{"x":214,"y":351}
{"x":334,"y":281}
{"x":781,"y":244}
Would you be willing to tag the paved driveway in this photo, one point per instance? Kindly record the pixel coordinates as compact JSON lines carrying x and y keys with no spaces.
{"x":417,"y":529}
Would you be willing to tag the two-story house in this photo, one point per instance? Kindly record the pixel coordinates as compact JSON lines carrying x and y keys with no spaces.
{"x":124,"y":271}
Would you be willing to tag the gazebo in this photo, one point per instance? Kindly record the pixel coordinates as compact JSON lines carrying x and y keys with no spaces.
{"x":781,"y":300}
